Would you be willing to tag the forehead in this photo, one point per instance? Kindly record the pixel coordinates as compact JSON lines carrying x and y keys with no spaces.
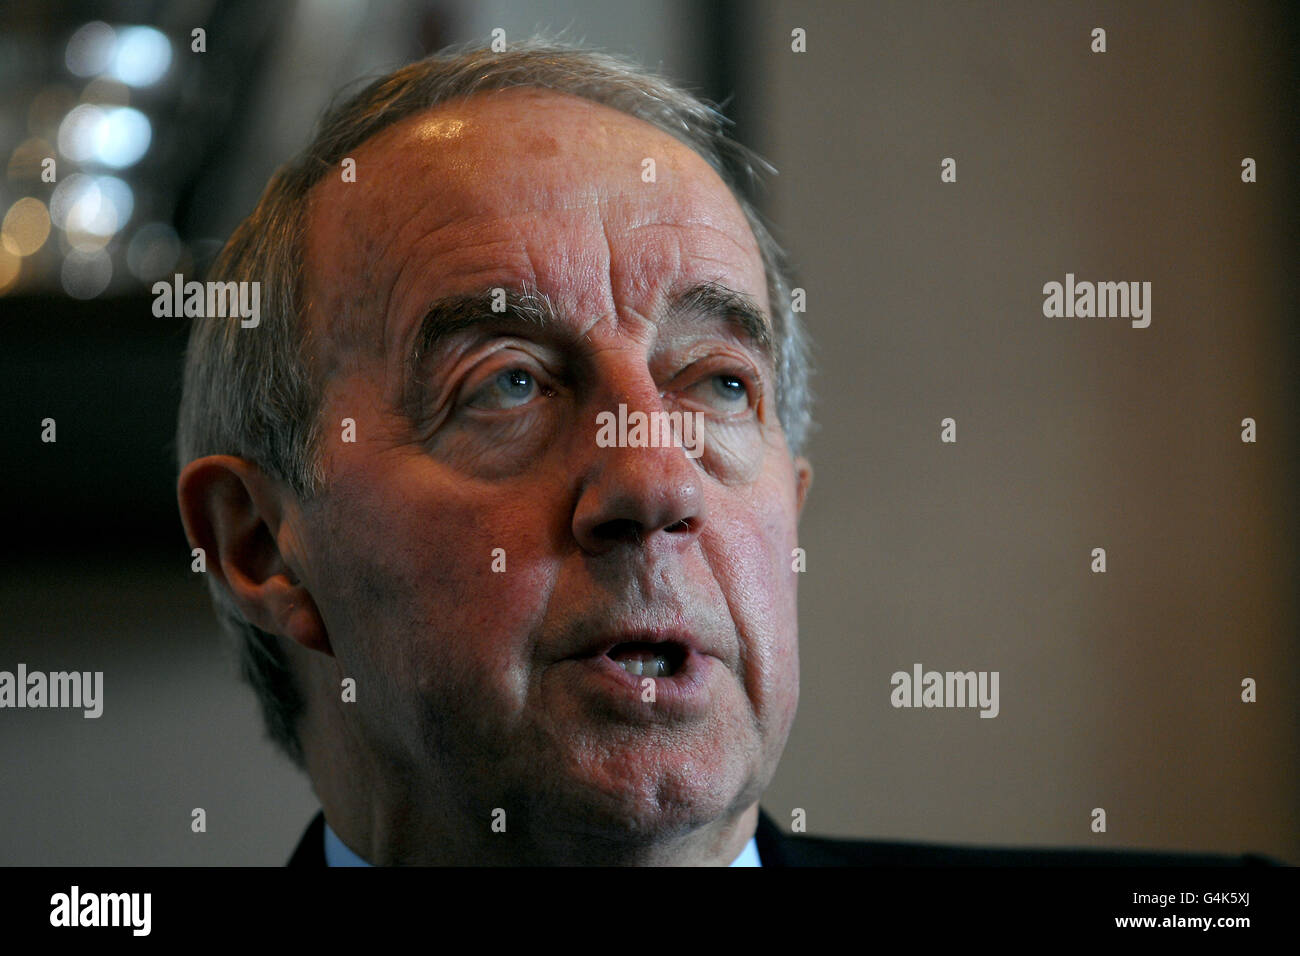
{"x":518,"y":185}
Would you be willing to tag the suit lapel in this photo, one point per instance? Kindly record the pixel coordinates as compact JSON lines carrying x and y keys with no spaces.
{"x":310,"y":852}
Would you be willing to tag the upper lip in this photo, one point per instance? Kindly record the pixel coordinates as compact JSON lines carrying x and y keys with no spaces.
{"x":595,"y":641}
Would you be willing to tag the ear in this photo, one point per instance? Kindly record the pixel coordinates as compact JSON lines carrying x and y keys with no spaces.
{"x":246,"y":523}
{"x":803,"y":474}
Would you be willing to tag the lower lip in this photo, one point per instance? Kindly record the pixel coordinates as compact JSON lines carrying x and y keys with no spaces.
{"x":687,"y":693}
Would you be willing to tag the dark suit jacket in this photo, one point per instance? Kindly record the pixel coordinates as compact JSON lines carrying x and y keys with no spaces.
{"x":776,"y":848}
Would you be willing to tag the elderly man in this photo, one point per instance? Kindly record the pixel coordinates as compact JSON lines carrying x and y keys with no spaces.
{"x":493,"y":627}
{"x":487,"y":634}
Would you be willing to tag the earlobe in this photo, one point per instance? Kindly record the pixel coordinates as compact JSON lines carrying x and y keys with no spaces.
{"x":803,"y":474}
{"x":245,"y":522}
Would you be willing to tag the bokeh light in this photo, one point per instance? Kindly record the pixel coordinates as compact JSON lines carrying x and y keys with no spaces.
{"x":77,"y":132}
{"x":27,"y":158}
{"x":115,"y":137}
{"x":105,"y":91}
{"x":91,"y":49}
{"x":86,"y":273}
{"x":142,"y":56}
{"x":123,"y":137}
{"x":48,"y":108}
{"x":153,"y":251}
{"x":26,"y":227}
{"x":91,"y":209}
{"x":10,"y":266}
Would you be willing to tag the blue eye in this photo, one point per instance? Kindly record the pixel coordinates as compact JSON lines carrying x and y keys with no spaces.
{"x":730,"y":388}
{"x":510,"y":388}
{"x":725,"y":393}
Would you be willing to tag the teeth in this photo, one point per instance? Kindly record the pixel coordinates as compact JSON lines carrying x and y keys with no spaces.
{"x":656,"y":666}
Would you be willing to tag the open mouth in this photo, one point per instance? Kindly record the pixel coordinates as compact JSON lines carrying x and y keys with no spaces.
{"x":644,"y":659}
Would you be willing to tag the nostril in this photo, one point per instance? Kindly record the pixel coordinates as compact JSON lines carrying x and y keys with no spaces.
{"x":679,"y":526}
{"x":619,"y":529}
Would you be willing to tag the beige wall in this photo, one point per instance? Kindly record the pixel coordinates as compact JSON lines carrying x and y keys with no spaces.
{"x":1118,"y":690}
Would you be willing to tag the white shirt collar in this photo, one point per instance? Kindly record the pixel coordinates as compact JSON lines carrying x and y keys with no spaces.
{"x":338,"y":853}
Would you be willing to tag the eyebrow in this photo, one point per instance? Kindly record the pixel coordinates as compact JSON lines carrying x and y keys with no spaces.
{"x":715,"y":300}
{"x":528,"y":306}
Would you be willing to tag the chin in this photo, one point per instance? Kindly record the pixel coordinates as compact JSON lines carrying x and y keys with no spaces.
{"x":641,"y":800}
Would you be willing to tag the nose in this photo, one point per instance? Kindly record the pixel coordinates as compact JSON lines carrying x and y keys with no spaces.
{"x":646,"y":497}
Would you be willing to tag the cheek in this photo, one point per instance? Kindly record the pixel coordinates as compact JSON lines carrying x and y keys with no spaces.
{"x":435,"y":584}
{"x":751,"y":548}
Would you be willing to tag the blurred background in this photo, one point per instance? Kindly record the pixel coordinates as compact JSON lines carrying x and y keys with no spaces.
{"x":1118,"y":690}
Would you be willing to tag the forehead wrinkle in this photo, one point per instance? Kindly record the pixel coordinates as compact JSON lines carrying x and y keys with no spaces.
{"x":373,"y":223}
{"x":394,"y":236}
{"x":748,"y":252}
{"x":704,"y":188}
{"x":614,"y":318}
{"x":459,"y":246}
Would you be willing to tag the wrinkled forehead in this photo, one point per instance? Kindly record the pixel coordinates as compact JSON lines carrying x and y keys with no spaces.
{"x":466,"y":174}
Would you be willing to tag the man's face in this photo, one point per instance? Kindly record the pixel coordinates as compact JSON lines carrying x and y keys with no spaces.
{"x":490,"y":573}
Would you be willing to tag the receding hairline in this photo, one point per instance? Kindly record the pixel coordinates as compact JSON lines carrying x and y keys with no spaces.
{"x":362,"y":329}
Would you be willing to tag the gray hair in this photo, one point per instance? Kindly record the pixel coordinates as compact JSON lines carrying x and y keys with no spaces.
{"x":253,"y":393}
